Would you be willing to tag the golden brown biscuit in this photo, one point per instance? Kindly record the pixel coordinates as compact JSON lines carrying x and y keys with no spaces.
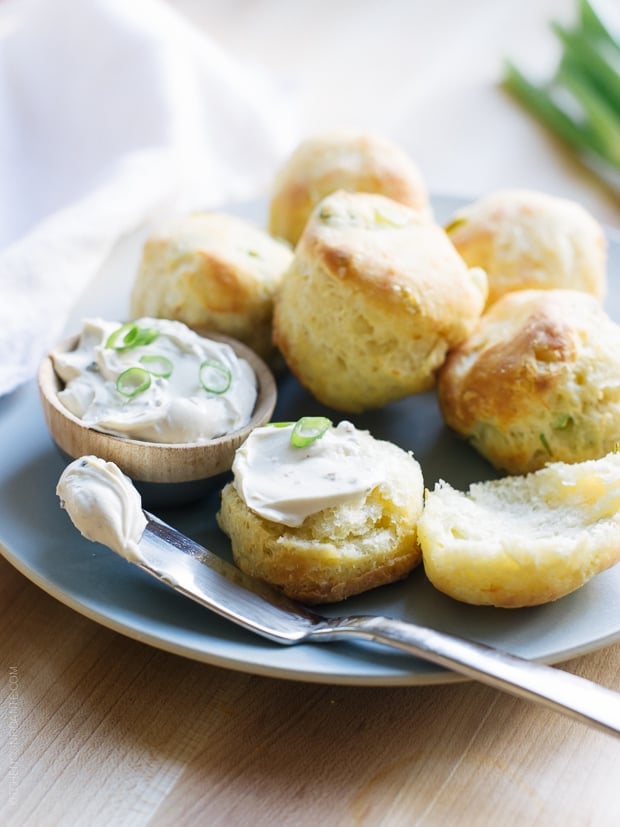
{"x":373,"y":300}
{"x":213,"y":271}
{"x":525,"y":239}
{"x":340,"y":550}
{"x":341,"y":160}
{"x":537,"y":381}
{"x":522,"y":541}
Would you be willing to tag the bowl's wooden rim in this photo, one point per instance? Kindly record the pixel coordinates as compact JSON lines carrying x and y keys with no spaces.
{"x":151,"y":461}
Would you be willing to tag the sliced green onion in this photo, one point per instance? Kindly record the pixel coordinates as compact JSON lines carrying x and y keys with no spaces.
{"x":130,"y":335}
{"x":455,"y":224}
{"x":157,"y":364}
{"x":308,"y":429}
{"x":545,"y":444}
{"x":147,"y":336}
{"x":393,"y":220}
{"x":133,"y":381}
{"x":125,"y":333}
{"x":278,"y":424}
{"x":562,"y":421}
{"x":214,"y":376}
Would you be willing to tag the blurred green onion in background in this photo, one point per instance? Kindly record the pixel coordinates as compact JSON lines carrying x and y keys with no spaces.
{"x":580,"y":102}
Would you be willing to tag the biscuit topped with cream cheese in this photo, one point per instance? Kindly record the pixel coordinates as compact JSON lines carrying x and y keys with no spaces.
{"x":322,"y":511}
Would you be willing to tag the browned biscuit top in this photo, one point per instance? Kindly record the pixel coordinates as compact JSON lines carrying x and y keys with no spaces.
{"x":341,"y":159}
{"x":538,"y":380}
{"x":374,"y":298}
{"x":525,"y":239}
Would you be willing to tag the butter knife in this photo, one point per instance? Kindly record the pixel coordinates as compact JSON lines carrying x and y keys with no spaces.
{"x":197,"y":573}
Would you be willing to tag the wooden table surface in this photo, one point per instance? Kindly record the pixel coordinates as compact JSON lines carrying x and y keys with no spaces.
{"x":98,"y":729}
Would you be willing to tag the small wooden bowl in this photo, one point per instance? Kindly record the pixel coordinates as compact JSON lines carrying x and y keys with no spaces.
{"x":165,"y":474}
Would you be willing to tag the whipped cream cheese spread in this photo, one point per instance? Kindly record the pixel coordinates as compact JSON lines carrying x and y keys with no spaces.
{"x":285,"y":484}
{"x":103,"y":505}
{"x":155,"y":380}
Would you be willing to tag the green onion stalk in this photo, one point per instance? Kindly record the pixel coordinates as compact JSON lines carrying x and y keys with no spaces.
{"x":580,"y":101}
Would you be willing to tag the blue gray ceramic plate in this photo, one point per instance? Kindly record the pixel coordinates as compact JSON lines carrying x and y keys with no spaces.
{"x":37,"y":537}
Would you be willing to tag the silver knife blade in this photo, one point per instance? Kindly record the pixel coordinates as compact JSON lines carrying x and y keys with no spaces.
{"x":213,"y":582}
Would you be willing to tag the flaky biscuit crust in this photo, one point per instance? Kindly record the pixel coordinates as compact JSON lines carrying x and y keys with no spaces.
{"x":213,"y":271}
{"x":374,"y":298}
{"x":525,"y":239}
{"x":341,"y":159}
{"x":538,"y":381}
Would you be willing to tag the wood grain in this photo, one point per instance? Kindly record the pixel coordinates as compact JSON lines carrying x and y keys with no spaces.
{"x":105,"y":730}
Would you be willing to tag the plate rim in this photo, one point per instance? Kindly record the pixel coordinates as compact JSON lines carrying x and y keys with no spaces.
{"x":427,"y":673}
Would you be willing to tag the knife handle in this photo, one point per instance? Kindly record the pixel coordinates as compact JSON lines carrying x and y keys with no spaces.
{"x":562,"y":691}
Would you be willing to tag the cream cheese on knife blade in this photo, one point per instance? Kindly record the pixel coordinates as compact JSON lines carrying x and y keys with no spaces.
{"x":155,"y":380}
{"x":103,"y":505}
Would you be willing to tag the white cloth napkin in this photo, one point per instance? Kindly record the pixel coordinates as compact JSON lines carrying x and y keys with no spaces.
{"x":111,"y":113}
